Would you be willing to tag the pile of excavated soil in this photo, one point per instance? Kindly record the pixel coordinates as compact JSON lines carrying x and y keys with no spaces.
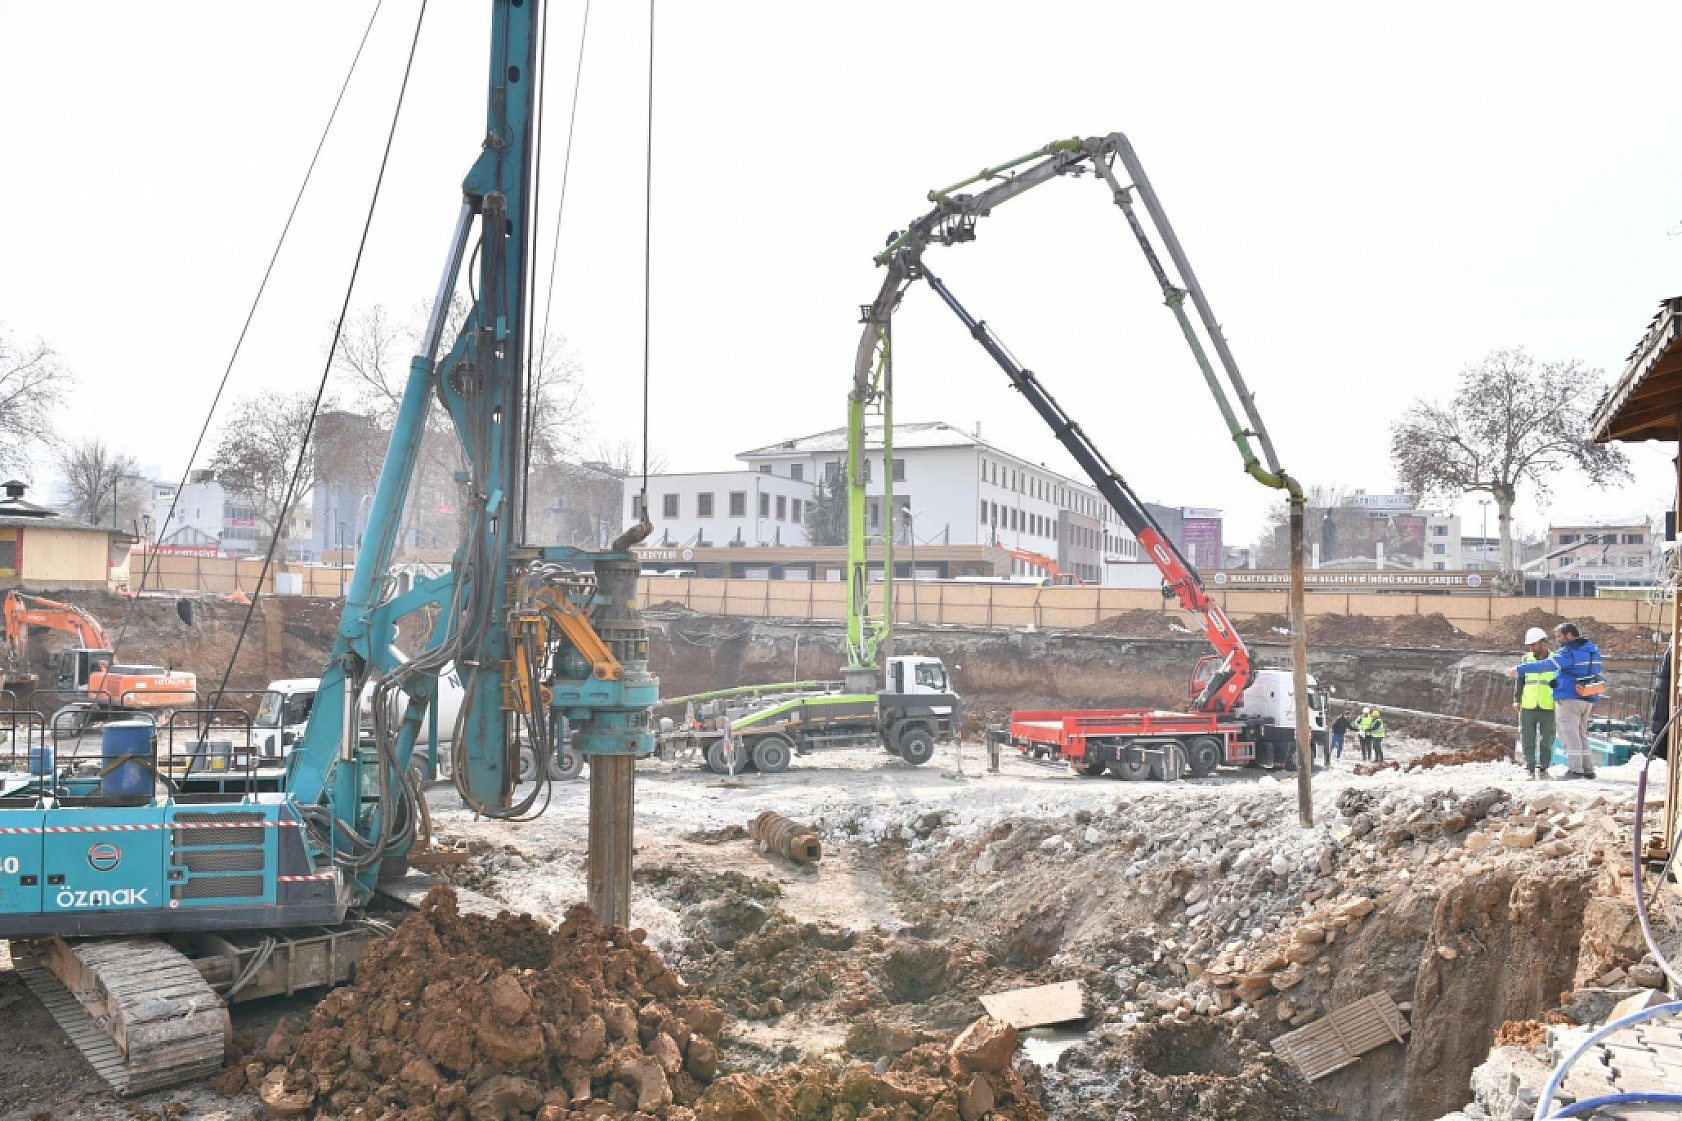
{"x":1434,"y":759}
{"x":462,"y":1016}
{"x":1364,"y":630}
{"x":971,"y":1079}
{"x":1508,"y":634}
{"x":1135,"y":624}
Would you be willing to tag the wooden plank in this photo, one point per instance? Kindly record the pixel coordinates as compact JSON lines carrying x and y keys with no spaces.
{"x":1340,"y":1038}
{"x":1037,"y":1006}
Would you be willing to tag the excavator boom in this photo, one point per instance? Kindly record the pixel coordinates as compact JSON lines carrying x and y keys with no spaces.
{"x":23,"y":611}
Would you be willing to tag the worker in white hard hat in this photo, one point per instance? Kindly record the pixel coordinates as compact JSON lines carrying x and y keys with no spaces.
{"x":1533,"y":699}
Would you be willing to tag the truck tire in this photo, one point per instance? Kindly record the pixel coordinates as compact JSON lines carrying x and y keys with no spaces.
{"x":419,"y":772}
{"x":916,"y":746}
{"x":1203,"y":755}
{"x":721,"y":765}
{"x":528,"y":763}
{"x":566,"y":765}
{"x":1129,"y":764}
{"x":1092,"y":763}
{"x":771,"y":754}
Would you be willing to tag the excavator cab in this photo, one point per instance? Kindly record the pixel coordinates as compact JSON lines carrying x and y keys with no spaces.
{"x":76,"y":667}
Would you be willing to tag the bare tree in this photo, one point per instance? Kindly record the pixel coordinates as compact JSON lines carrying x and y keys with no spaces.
{"x":1513,"y":422}
{"x":33,"y":382}
{"x":105,"y":486}
{"x":257,"y":454}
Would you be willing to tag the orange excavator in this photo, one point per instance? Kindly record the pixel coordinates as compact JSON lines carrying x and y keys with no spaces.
{"x":87,"y":672}
{"x":1045,"y":564}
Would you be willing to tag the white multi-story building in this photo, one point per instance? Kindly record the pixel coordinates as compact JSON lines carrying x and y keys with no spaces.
{"x":953,"y":488}
{"x":1601,"y":549}
{"x":744,"y":508}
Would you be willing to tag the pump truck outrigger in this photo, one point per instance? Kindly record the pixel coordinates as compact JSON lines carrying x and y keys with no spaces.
{"x":265,"y":892}
{"x":1240,"y":714}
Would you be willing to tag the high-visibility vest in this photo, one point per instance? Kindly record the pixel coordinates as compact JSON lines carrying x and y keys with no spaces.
{"x":1376,"y":728}
{"x":1538,"y":688}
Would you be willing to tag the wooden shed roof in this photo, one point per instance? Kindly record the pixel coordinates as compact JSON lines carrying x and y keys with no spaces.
{"x":1646,"y":402}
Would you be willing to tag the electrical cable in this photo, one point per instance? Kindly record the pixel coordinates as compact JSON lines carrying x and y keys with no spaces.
{"x":528,"y":263}
{"x":566,"y":173}
{"x":1577,"y":1109}
{"x":250,"y":314}
{"x":647,"y":250}
{"x":332,"y":351}
{"x":1640,"y":898}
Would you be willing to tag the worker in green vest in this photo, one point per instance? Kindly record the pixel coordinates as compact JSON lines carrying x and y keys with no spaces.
{"x":1533,"y":697}
{"x":1375,"y":735}
{"x":1362,"y":723}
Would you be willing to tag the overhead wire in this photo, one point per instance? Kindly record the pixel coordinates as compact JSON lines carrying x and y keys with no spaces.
{"x":647,"y":250}
{"x":332,"y":351}
{"x":245,"y":328}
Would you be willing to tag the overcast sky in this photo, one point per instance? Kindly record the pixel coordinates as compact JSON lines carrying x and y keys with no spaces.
{"x":1372,"y":199}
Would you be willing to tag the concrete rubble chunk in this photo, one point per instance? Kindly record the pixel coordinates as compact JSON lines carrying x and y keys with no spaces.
{"x":1521,"y":837}
{"x":1036,"y":1006}
{"x":986,"y":1045}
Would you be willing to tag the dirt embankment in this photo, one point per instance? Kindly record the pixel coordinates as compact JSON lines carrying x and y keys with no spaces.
{"x":289,"y":636}
{"x":1000,"y":671}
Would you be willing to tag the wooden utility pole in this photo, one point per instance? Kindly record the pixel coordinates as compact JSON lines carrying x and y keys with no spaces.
{"x":1299,"y":665}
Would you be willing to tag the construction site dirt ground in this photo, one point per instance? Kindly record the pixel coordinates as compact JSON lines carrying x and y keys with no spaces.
{"x":1448,"y":889}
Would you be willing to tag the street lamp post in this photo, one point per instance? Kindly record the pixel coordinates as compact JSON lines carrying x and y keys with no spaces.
{"x":1483,"y":531}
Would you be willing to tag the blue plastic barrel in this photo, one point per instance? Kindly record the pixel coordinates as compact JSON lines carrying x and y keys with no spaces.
{"x":128,"y":737}
{"x":41,"y":761}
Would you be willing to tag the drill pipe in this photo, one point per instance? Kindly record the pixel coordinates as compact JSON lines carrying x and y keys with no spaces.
{"x":786,"y":838}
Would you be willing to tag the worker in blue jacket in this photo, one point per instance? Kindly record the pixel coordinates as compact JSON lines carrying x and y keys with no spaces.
{"x":1577,"y":683}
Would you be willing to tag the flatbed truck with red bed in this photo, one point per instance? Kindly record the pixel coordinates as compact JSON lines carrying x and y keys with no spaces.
{"x":1139,"y":743}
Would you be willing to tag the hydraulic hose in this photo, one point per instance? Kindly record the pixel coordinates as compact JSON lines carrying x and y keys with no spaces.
{"x":1653,"y":1013}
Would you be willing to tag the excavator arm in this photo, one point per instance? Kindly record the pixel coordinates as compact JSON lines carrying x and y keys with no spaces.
{"x":1225,"y":687}
{"x":23,"y":611}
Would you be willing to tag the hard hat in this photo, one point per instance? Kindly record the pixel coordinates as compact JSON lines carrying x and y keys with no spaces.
{"x":1535,"y":635}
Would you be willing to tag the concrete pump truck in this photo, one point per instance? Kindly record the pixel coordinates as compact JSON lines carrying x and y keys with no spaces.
{"x":1241,"y":714}
{"x":136,"y":914}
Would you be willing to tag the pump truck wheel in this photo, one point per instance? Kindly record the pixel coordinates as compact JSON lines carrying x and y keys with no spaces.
{"x":720,"y":764}
{"x":916,"y":746}
{"x":528,"y":763}
{"x":772,"y":754}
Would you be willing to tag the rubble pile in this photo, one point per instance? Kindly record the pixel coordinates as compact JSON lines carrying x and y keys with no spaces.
{"x":971,"y":1078}
{"x":458,"y":1017}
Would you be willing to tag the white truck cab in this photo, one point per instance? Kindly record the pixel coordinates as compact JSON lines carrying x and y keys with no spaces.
{"x":1271,"y":697}
{"x":285,"y":712}
{"x":917,"y":674}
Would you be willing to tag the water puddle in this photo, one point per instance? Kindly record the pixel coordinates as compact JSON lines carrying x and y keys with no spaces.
{"x":1044,"y":1045}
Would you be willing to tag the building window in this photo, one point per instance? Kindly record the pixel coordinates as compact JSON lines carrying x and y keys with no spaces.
{"x":1635,"y":539}
{"x":636,"y":507}
{"x":765,"y":506}
{"x":794,"y":509}
{"x":738,"y":503}
{"x":984,"y":470}
{"x":867,"y":469}
{"x":899,"y":470}
{"x":995,"y":507}
{"x":1439,"y":566}
{"x":764,"y":468}
{"x":1439,"y":550}
{"x":668,"y":505}
{"x":1568,"y":538}
{"x":1439,"y":531}
{"x":832,"y":471}
{"x":704,"y":504}
{"x":797,"y":471}
{"x":782,"y":508}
